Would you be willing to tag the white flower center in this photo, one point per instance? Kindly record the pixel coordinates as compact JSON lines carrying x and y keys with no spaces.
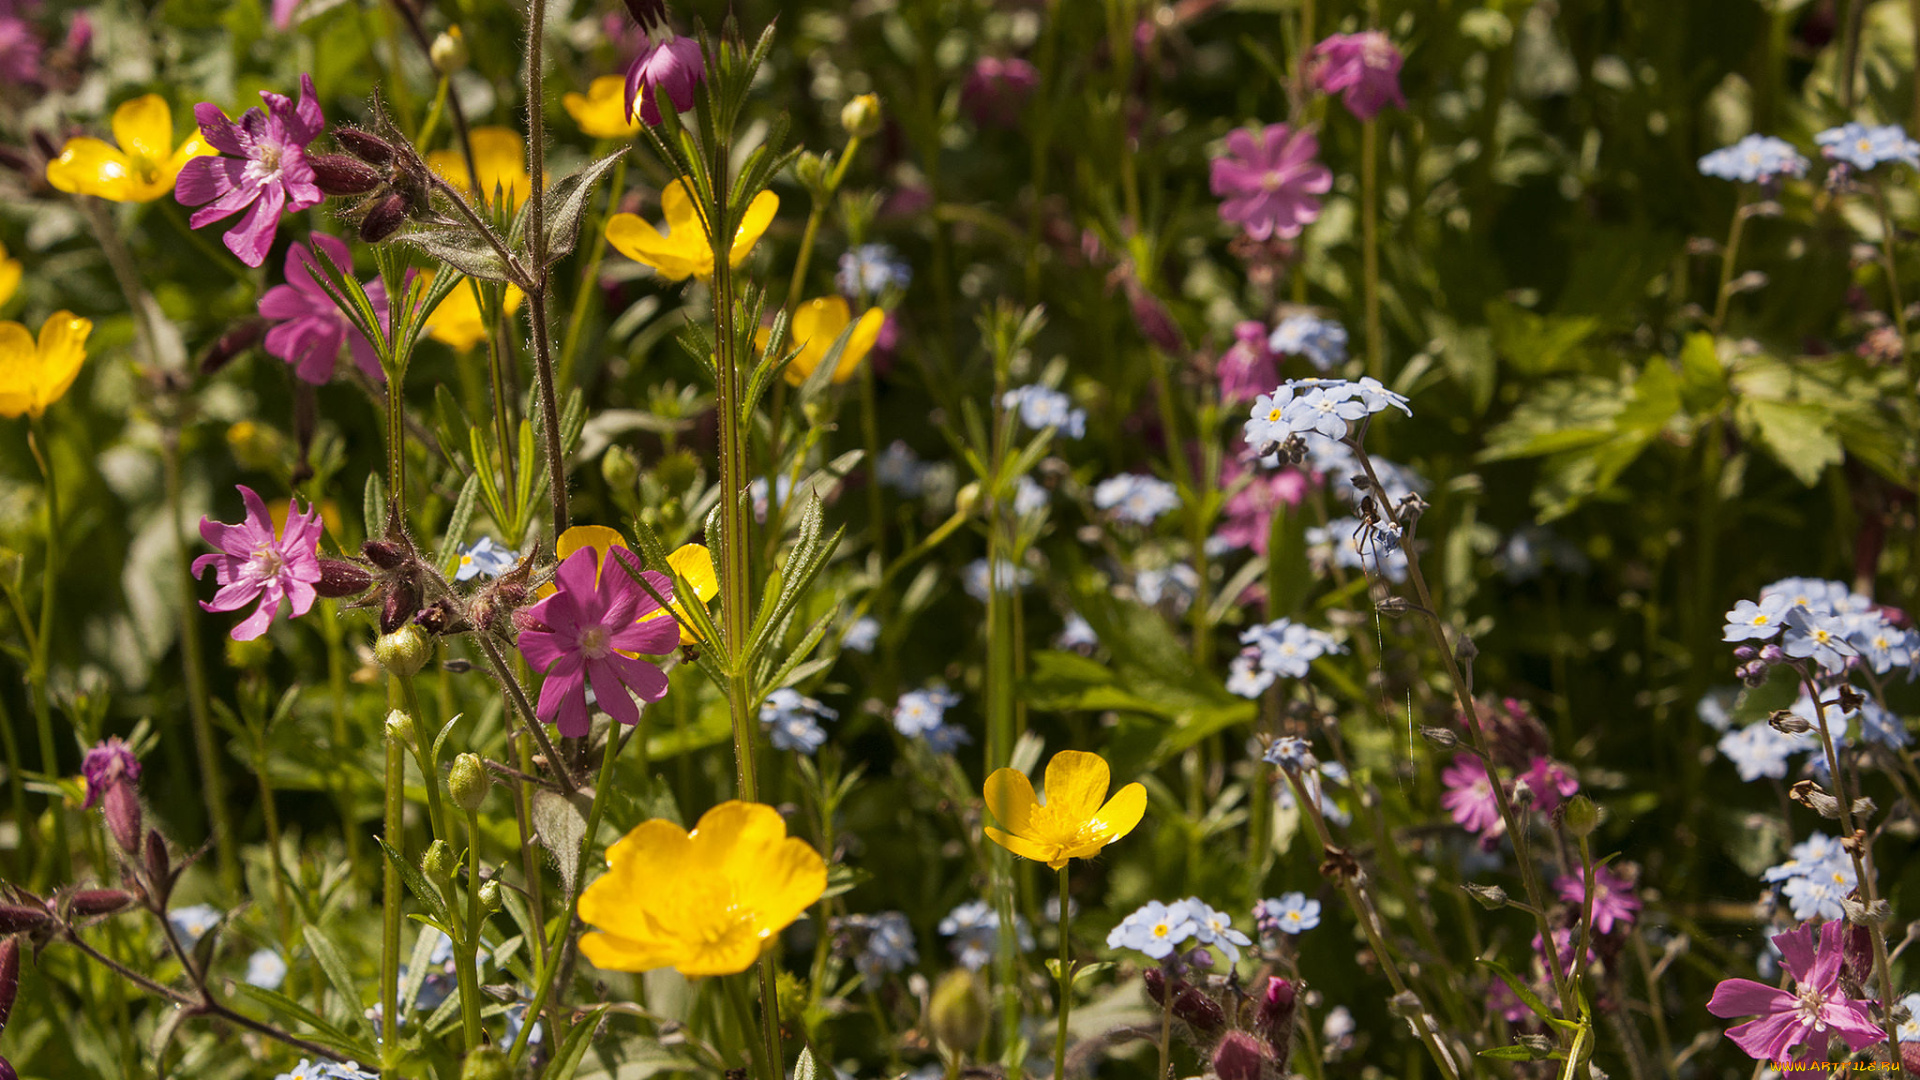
{"x":596,"y":642}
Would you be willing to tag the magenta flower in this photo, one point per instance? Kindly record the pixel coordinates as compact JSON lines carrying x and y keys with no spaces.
{"x":106,"y":764}
{"x":669,"y":63}
{"x":312,"y":328}
{"x":997,"y":89}
{"x":1796,"y":1025}
{"x":1248,"y":518}
{"x":1469,"y":796}
{"x":1248,"y":368}
{"x":1268,"y":180}
{"x":20,"y":49}
{"x":1613,"y":899}
{"x":253,"y":564}
{"x":266,"y":175}
{"x":589,"y":632}
{"x":1364,"y":69}
{"x":1551,"y":783}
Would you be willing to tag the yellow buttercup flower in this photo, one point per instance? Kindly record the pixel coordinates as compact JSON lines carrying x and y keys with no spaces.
{"x":816,"y":325}
{"x":1073,"y":823}
{"x":10,"y":271}
{"x":141,"y":169}
{"x":684,"y":250}
{"x":704,"y":902}
{"x":694,"y":565}
{"x":34,"y":375}
{"x":602,"y":111}
{"x":500,"y":155}
{"x":457,"y":320}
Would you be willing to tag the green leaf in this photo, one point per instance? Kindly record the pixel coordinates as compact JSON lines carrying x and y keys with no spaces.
{"x":1797,"y":434}
{"x":1538,"y":344}
{"x":566,"y":203}
{"x":417,"y":883}
{"x":462,"y":518}
{"x":288,"y":1009}
{"x":566,"y":1060}
{"x":374,"y":505}
{"x":461,"y":248}
{"x":803,"y":1066}
{"x":1520,"y":989}
{"x":1703,"y":382}
{"x":328,"y":955}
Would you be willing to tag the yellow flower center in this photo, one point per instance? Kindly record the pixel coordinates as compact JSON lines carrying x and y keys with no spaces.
{"x":1161,"y":930}
{"x":1273,"y":415}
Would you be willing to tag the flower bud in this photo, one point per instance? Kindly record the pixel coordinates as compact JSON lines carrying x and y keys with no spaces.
{"x":1745,"y":653}
{"x":344,"y":175}
{"x":449,"y":51}
{"x":1523,"y":794}
{"x":6,"y":1070}
{"x":384,"y":218}
{"x":811,"y":170}
{"x":959,"y":1011}
{"x":1440,"y":737}
{"x":440,"y":618}
{"x":1198,"y":1010}
{"x":1239,"y":1056}
{"x":468,"y":782}
{"x":364,"y":145}
{"x":9,"y":977}
{"x":860,"y":118}
{"x":490,"y":897}
{"x":1491,"y":897}
{"x":619,"y":469}
{"x":1156,"y":981}
{"x":340,"y":578}
{"x":159,"y":869}
{"x":485,"y":1062}
{"x":400,"y":727}
{"x":122,"y":806}
{"x":648,"y":13}
{"x":1772,"y":654}
{"x":22,"y":918}
{"x":1789,"y":723}
{"x":403,"y":652}
{"x":438,"y":863}
{"x":385,"y":554}
{"x":1274,"y":1020}
{"x":402,"y":604}
{"x":88,"y":903}
{"x":1581,"y":817}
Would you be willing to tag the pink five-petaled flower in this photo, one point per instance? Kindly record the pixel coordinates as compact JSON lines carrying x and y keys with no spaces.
{"x":1613,"y":899}
{"x":588,"y":632}
{"x":1363,"y":68}
{"x":1469,"y":796}
{"x":1551,"y":782}
{"x":253,"y":563}
{"x":1807,"y":1015}
{"x":267,"y":174}
{"x":311,"y":327}
{"x":107,"y":764}
{"x":668,"y":63}
{"x":1268,"y":180}
{"x":1248,"y":368}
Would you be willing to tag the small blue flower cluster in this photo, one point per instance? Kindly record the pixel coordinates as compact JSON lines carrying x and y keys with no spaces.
{"x":1006,"y":578}
{"x":1823,"y":622}
{"x":872,"y":269}
{"x":886,"y":944}
{"x":1042,"y":407}
{"x":1315,"y":783}
{"x":899,"y":468}
{"x":1817,"y":874}
{"x":1029,"y":497}
{"x":861,"y":634}
{"x":975,"y":929}
{"x":1863,"y":146}
{"x":1136,"y":498}
{"x":484,"y":559}
{"x":1322,"y":406}
{"x":922,"y":714}
{"x":793,"y":720}
{"x":1281,"y":648}
{"x":1157,"y":929}
{"x":326,"y":1070}
{"x":1351,"y":543}
{"x":1756,"y":159}
{"x":1290,"y":913}
{"x":190,"y":924}
{"x":1322,"y":341}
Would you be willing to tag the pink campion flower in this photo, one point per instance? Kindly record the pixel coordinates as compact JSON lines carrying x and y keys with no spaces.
{"x":1248,"y":368}
{"x":670,"y":63}
{"x":254,"y":564}
{"x":20,"y":49}
{"x":1247,"y":521}
{"x":311,"y":327}
{"x":1364,"y":69}
{"x":997,"y":89}
{"x":589,"y":631}
{"x":1796,"y":1025}
{"x":106,"y":764}
{"x":1551,"y":783}
{"x":1469,"y":796}
{"x":1268,"y":180}
{"x":1613,"y":899}
{"x":266,"y":175}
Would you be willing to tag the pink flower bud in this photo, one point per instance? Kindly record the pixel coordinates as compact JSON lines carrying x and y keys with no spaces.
{"x":1239,"y":1056}
{"x":1275,"y":1017}
{"x":123,"y":815}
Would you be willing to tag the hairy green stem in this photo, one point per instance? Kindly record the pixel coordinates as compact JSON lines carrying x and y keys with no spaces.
{"x":1066,"y":980}
{"x":393,"y":832}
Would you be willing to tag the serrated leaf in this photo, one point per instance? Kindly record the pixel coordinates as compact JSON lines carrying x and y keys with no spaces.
{"x":566,"y":203}
{"x":1797,"y":434}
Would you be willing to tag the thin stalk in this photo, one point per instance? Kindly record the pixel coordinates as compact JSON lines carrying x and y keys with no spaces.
{"x":422,"y":758}
{"x":212,"y":779}
{"x":537,"y":247}
{"x":743,"y":1015}
{"x":870,"y":434}
{"x":467,"y":955}
{"x":40,"y":659}
{"x":1727,"y":256}
{"x":16,"y":787}
{"x":1166,"y":1033}
{"x":1066,"y":980}
{"x":1370,"y":243}
{"x":1893,"y":281}
{"x":394,"y":833}
{"x":527,"y":715}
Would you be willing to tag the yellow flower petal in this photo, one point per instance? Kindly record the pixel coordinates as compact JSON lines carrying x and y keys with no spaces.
{"x":865,"y":334}
{"x":644,"y":244}
{"x":144,"y":127}
{"x":88,"y":166}
{"x":457,"y":322}
{"x":1077,"y":784}
{"x":602,"y":111}
{"x":500,"y":155}
{"x":1010,"y":799}
{"x":1122,"y":813}
{"x":1023,"y":847}
{"x":683,"y":250}
{"x":1072,"y":823}
{"x":63,"y":347}
{"x":18,"y":358}
{"x":753,"y":224}
{"x":693,"y":564}
{"x":10,"y":272}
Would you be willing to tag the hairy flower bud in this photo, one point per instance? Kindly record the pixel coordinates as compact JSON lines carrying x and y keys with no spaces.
{"x":449,"y":51}
{"x":364,"y":145}
{"x":159,"y":868}
{"x":1198,"y":1010}
{"x":342,"y":175}
{"x":340,"y":578}
{"x":9,"y":977}
{"x":399,"y":727}
{"x":490,"y":896}
{"x":122,"y":806}
{"x":384,"y":217}
{"x":88,"y":903}
{"x":811,"y":170}
{"x":959,"y":1011}
{"x":21,"y":918}
{"x":1523,"y":794}
{"x":385,"y":554}
{"x":1440,"y":737}
{"x":438,"y":863}
{"x":1274,"y":1020}
{"x":1239,"y":1056}
{"x":6,"y":1070}
{"x":486,"y":1063}
{"x":1581,"y":817}
{"x":404,"y":651}
{"x":860,"y":118}
{"x":467,"y":782}
{"x":402,"y":604}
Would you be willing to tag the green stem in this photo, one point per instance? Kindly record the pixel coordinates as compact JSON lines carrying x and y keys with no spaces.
{"x":743,"y":1015}
{"x":1370,"y":244}
{"x":1724,"y":294}
{"x":537,"y":246}
{"x":40,"y":660}
{"x":1893,"y":282}
{"x":469,"y":946}
{"x":1066,"y":980}
{"x":394,"y":833}
{"x":422,"y":748}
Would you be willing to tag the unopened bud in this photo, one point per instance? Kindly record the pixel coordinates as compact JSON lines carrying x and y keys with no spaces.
{"x":343,"y":175}
{"x":1440,"y":737}
{"x":467,"y":782}
{"x":364,"y":145}
{"x":1405,"y":1005}
{"x":402,"y":604}
{"x":1580,"y":817}
{"x":860,"y":117}
{"x":967,"y":498}
{"x":1491,"y":897}
{"x":486,"y":1063}
{"x":1466,"y":651}
{"x":1198,"y":1010}
{"x":490,"y":896}
{"x":159,"y":866}
{"x":400,"y":727}
{"x":384,"y":218}
{"x":1789,"y":723}
{"x":385,"y":554}
{"x":438,"y":863}
{"x":1523,"y":794}
{"x":1275,"y":1017}
{"x":88,"y":903}
{"x":1393,"y":605}
{"x":122,"y":808}
{"x":619,"y":469}
{"x":1539,"y":1046}
{"x":1239,"y":1056}
{"x":811,"y":170}
{"x":958,"y":1012}
{"x":404,"y":651}
{"x":449,"y":51}
{"x":340,"y":578}
{"x":440,"y":618}
{"x":238,"y":338}
{"x":9,"y":978}
{"x":22,"y":918}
